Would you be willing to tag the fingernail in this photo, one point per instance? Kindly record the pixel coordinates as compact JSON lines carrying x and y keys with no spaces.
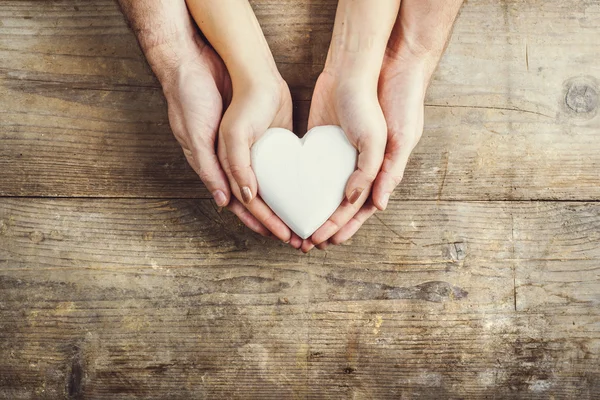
{"x":220,"y":198}
{"x":384,"y":200}
{"x":246,"y":194}
{"x":355,"y":195}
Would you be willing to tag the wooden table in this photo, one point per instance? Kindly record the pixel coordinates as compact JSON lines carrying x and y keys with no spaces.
{"x":119,"y":278}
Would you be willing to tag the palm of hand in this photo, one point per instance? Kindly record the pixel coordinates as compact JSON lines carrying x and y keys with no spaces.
{"x":195,"y":100}
{"x":356,"y":109}
{"x":254,"y":108}
{"x":350,"y":106}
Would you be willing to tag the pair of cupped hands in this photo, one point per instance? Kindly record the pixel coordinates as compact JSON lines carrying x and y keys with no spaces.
{"x":217,"y":119}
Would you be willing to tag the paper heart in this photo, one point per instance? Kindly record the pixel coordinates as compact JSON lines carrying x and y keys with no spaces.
{"x":303,"y":180}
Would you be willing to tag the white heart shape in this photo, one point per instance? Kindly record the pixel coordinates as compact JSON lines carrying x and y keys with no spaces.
{"x":303,"y":180}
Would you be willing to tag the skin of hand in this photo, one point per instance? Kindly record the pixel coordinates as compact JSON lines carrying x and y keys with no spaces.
{"x":346,"y":95}
{"x":197,"y":87}
{"x":414,"y":49}
{"x":261,"y":99}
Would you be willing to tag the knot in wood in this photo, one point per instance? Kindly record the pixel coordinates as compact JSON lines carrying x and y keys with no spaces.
{"x":581,"y":97}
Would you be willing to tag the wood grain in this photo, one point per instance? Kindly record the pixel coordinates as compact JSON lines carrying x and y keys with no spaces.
{"x":156,"y":298}
{"x":481,"y":281}
{"x":511,"y":114}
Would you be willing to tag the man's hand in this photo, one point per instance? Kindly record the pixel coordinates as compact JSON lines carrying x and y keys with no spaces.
{"x":197,"y":87}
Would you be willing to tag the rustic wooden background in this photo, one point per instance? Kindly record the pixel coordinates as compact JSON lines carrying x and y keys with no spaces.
{"x":120,"y":279}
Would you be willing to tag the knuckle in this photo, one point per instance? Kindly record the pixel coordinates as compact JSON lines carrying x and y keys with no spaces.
{"x":335,"y":226}
{"x":369,"y":176}
{"x":270,"y":221}
{"x":234,"y":132}
{"x":237,"y":170}
{"x":396,"y":179}
{"x":401,"y":139}
{"x":187,"y":152}
{"x":205,"y":176}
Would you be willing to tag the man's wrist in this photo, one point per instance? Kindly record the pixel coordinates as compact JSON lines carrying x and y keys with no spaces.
{"x":401,"y":58}
{"x":168,"y":56}
{"x":164,"y":31}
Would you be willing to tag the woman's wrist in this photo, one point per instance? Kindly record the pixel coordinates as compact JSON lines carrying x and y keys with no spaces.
{"x":361,"y":33}
{"x":234,"y":32}
{"x":352,"y":57}
{"x":257,"y":71}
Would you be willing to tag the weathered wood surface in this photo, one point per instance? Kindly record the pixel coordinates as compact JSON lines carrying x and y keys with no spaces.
{"x":512,"y":112}
{"x":155,"y":294}
{"x":169,"y":298}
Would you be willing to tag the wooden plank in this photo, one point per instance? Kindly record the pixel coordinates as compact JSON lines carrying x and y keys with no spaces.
{"x":512,"y":111}
{"x":156,"y":298}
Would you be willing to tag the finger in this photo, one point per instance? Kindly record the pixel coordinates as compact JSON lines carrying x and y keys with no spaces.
{"x":270,"y":220}
{"x":247,"y":218}
{"x":354,"y":224}
{"x":307,"y":246}
{"x":390,"y":176}
{"x":370,"y":157}
{"x":323,"y":246}
{"x":238,"y":159}
{"x":296,"y":241}
{"x":266,"y":217}
{"x":211,"y":173}
{"x":258,"y":207}
{"x":339,"y":219}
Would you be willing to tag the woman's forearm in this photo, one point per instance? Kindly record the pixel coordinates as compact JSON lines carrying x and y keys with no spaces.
{"x":360,"y":36}
{"x":233,"y":30}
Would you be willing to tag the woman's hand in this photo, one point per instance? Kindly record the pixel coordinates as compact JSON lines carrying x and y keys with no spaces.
{"x":261,"y":100}
{"x":255,"y":107}
{"x":352,"y":104}
{"x":346,"y":95}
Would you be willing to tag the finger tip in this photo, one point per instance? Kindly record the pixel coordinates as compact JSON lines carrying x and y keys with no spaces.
{"x":380,"y":206}
{"x":306,"y":247}
{"x":380,"y":198}
{"x":323,"y":246}
{"x":355,"y":195}
{"x":247,"y":195}
{"x":296,"y":242}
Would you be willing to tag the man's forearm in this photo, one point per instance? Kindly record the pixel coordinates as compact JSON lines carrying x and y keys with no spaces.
{"x":360,"y":35}
{"x":234,"y":32}
{"x":423,"y":28}
{"x":164,"y":30}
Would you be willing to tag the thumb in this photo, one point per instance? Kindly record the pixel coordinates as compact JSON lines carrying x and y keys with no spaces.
{"x":204,"y":161}
{"x":370,"y":157}
{"x":237,"y":146}
{"x":391,"y":174}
